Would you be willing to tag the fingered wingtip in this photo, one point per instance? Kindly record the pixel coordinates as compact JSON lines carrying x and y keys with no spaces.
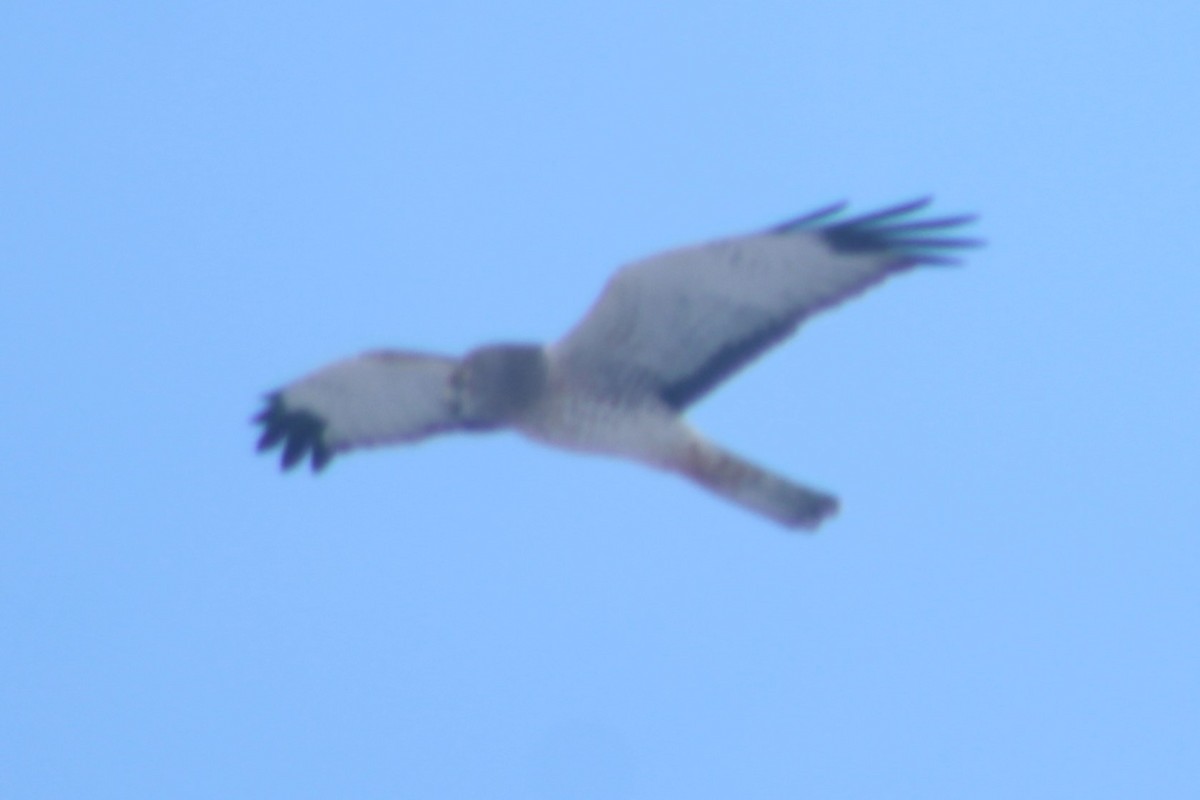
{"x":302,"y":434}
{"x":891,"y":231}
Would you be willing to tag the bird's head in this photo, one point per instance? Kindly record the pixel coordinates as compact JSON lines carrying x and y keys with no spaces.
{"x":494,"y":384}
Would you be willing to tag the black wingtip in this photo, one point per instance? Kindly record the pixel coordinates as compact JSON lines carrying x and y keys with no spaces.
{"x":890,"y":231}
{"x":302,"y":433}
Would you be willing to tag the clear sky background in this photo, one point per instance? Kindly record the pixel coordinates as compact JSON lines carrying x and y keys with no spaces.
{"x":204,"y":200}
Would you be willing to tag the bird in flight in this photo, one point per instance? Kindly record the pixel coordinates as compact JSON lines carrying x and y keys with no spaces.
{"x":665,"y":331}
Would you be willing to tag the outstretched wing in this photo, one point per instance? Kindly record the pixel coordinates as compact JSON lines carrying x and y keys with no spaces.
{"x":375,"y":398}
{"x":682,"y":321}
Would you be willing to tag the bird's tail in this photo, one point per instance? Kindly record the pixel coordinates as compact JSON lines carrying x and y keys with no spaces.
{"x":755,"y":488}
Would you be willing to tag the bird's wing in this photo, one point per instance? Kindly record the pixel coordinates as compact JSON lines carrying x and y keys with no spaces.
{"x":680,"y":322}
{"x":375,"y":398}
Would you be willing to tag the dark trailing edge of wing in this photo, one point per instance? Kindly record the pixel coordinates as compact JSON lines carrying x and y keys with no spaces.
{"x":300,"y":432}
{"x":889,"y":231}
{"x":724,"y":363}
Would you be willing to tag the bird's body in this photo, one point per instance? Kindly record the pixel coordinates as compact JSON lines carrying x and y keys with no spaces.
{"x":665,"y":331}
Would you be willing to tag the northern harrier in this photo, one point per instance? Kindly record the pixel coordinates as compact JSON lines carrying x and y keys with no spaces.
{"x":665,"y":331}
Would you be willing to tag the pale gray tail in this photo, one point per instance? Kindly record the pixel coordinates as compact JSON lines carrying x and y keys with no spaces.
{"x":753,"y":487}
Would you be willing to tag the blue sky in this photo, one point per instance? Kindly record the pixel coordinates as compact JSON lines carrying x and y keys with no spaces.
{"x":205,"y":200}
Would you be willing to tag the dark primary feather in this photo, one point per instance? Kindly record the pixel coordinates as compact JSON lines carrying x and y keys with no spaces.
{"x":809,"y":221}
{"x":300,"y":432}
